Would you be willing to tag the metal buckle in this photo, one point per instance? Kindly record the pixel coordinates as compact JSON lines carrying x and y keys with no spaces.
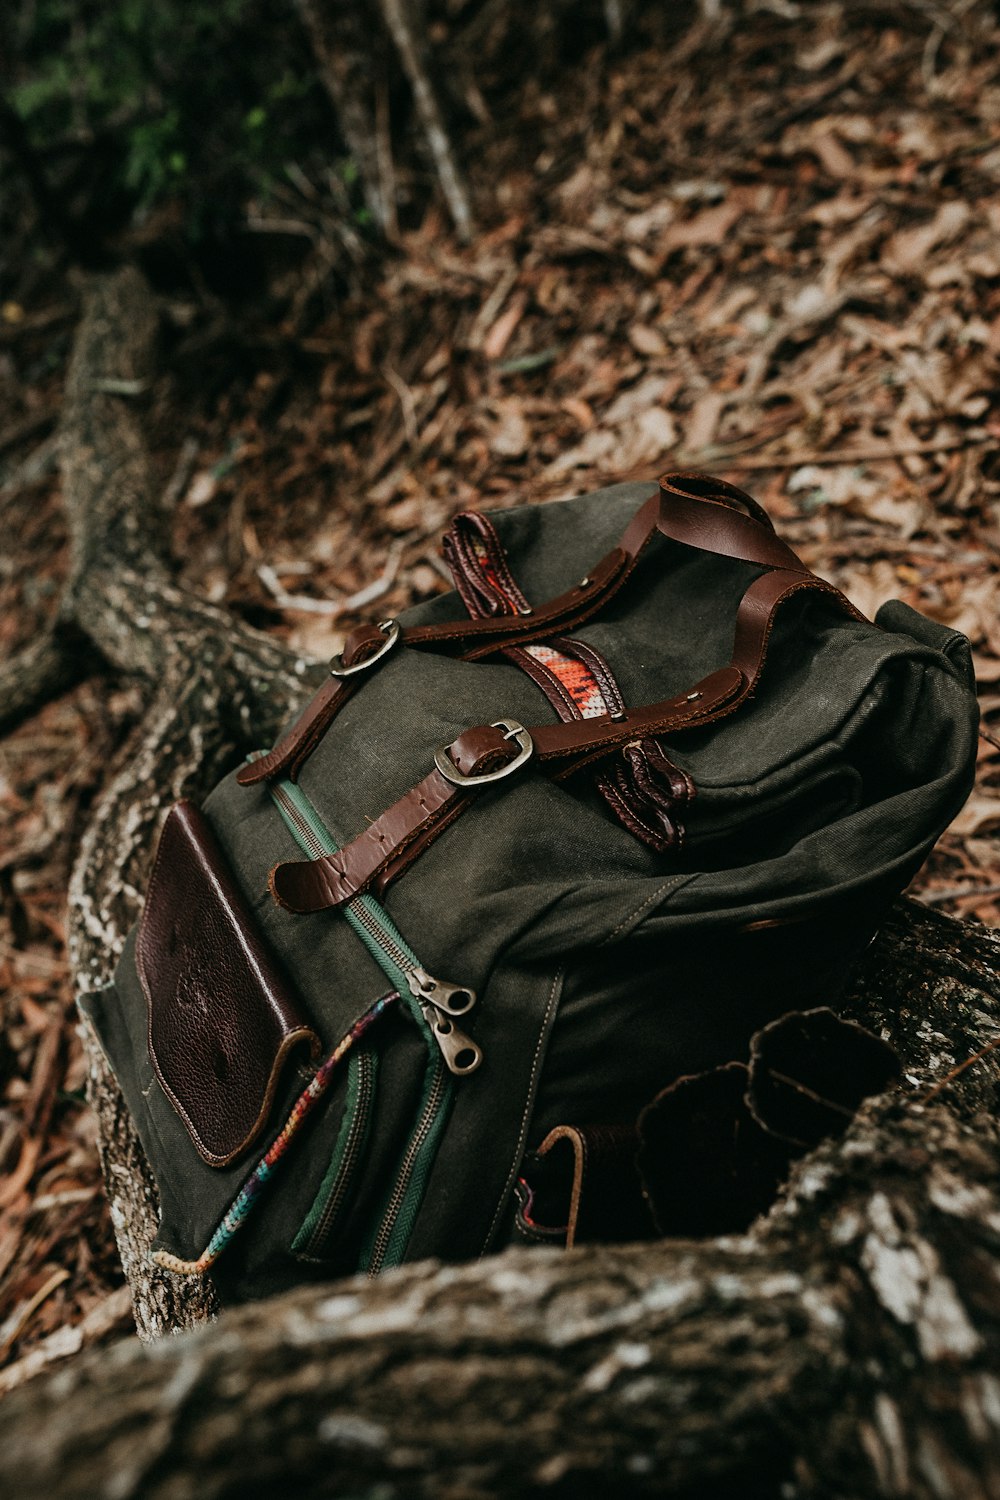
{"x":514,"y":731}
{"x":391,"y":630}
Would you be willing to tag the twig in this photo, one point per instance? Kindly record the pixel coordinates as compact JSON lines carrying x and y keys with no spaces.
{"x":406,"y":402}
{"x":110,"y":1313}
{"x":302,"y":602}
{"x":39,"y":462}
{"x":113,"y":385}
{"x":483,"y":320}
{"x":943,"y":1083}
{"x":183,"y":469}
{"x":17,"y":432}
{"x":21,"y":1316}
{"x":383,"y":155}
{"x":842,"y":456}
{"x":411,"y":48}
{"x":307,"y":605}
{"x":962,"y":893}
{"x":380,"y":586}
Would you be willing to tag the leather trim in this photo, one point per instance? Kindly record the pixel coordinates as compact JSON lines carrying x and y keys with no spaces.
{"x":222,"y":1019}
{"x":605,"y":1196}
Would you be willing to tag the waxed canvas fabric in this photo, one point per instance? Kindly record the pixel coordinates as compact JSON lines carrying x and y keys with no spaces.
{"x":603,"y":970}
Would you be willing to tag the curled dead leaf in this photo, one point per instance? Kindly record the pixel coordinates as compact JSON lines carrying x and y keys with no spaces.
{"x":979,"y":815}
{"x":706,"y":1166}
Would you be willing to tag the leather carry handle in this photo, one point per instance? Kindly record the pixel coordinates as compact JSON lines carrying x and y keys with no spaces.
{"x":692,"y":508}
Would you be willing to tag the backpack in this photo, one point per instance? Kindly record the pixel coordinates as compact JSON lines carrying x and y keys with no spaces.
{"x":537,"y":849}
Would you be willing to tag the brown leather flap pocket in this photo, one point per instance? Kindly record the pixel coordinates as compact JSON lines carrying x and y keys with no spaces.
{"x":222,"y":1018}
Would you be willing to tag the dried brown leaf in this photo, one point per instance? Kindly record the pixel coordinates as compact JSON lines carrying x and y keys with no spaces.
{"x":907,"y":250}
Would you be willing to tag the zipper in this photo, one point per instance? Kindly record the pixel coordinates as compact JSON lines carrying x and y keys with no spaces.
{"x":436,"y":1000}
{"x":439,"y":1001}
{"x":387,"y":1245}
{"x":313,"y":1240}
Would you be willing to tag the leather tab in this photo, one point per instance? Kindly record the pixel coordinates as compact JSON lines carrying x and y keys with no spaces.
{"x":306,"y":885}
{"x":222,"y":1019}
{"x":305,"y":734}
{"x":362,"y":640}
{"x":700,"y":512}
{"x":584,"y":1176}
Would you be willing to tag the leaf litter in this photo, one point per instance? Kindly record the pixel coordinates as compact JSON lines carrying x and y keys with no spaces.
{"x":768,"y":246}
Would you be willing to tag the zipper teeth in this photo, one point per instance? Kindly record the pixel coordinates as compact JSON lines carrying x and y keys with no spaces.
{"x":382,"y":1240}
{"x":356,"y":906}
{"x":408,"y":965}
{"x":302,"y":824}
{"x":395,"y":952}
{"x":345,"y":1176}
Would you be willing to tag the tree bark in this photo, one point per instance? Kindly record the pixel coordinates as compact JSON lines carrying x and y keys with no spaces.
{"x":211,"y":680}
{"x":845,"y":1346}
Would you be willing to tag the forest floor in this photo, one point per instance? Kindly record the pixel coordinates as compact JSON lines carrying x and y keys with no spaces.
{"x":773,"y":254}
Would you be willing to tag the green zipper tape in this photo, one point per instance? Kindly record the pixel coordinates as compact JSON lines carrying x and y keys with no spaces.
{"x":386,"y":1243}
{"x":313,"y":1241}
{"x":392,"y":936}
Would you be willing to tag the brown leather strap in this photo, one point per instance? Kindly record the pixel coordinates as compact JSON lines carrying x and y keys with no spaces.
{"x":317,"y":884}
{"x":699,"y":512}
{"x":570,"y":608}
{"x":585,"y":739}
{"x":691,"y":508}
{"x":424,"y":812}
{"x":297,"y":745}
{"x":719,"y":694}
{"x":644,"y":789}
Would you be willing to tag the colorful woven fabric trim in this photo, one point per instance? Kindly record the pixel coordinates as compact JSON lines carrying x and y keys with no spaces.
{"x":249,"y":1194}
{"x":496,"y":575}
{"x":575,"y":676}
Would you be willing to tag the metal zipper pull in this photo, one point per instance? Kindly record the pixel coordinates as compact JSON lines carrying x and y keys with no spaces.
{"x":450,"y":999}
{"x":460,"y":1052}
{"x":439,"y":1001}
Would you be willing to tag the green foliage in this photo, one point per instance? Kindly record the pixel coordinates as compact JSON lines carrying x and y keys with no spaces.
{"x":201,"y":101}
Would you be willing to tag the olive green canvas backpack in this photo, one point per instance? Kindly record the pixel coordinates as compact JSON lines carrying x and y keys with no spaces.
{"x":536,"y":850}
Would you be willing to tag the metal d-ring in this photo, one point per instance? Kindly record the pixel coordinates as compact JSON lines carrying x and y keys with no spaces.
{"x":390,"y":629}
{"x":513,"y":731}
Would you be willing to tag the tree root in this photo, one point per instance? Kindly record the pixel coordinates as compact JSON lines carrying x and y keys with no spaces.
{"x":844,"y":1338}
{"x":218,"y":684}
{"x":39,"y":673}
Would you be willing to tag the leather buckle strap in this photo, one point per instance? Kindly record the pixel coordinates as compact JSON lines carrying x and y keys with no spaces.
{"x":690,"y":508}
{"x":409,"y":825}
{"x":471,"y":639}
{"x":391,"y":629}
{"x":512,"y":731}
